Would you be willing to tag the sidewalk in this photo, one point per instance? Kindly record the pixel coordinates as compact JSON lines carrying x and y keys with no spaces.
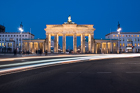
{"x":17,"y":55}
{"x":2,"y":56}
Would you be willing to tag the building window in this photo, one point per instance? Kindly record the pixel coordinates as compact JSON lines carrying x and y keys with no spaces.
{"x":138,"y":39}
{"x":135,"y":44}
{"x":116,"y":35}
{"x":123,"y":44}
{"x":17,"y":35}
{"x":126,"y":35}
{"x":11,"y":35}
{"x":114,"y":44}
{"x":138,"y":44}
{"x":5,"y":35}
{"x":120,"y":44}
{"x":120,"y":35}
{"x":14,"y":35}
{"x":11,"y":39}
{"x":129,"y":40}
{"x":6,"y":39}
{"x":2,"y":44}
{"x":17,"y":39}
{"x":19,"y":44}
{"x":131,"y":35}
{"x":8,"y":35}
{"x":135,"y":39}
{"x":9,"y":44}
{"x":113,"y":35}
{"x":25,"y":35}
{"x":0,"y":35}
{"x":123,"y":35}
{"x":2,"y":39}
{"x":123,"y":39}
{"x":129,"y":44}
{"x":137,"y":35}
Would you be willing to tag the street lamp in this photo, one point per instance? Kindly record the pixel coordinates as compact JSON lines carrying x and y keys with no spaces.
{"x":21,"y":30}
{"x":119,"y":29}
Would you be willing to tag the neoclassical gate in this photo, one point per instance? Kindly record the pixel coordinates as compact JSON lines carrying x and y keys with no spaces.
{"x":69,"y":28}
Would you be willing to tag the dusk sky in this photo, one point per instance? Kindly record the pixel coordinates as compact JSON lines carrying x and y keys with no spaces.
{"x":103,"y":14}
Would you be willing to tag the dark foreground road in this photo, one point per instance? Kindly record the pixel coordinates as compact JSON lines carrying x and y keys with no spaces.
{"x":101,"y":76}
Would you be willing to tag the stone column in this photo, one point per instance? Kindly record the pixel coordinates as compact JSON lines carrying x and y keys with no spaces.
{"x":89,"y":43}
{"x":56,"y":37}
{"x":112,"y":47}
{"x":117,"y":47}
{"x":49,"y":43}
{"x":101,"y":47}
{"x":46,"y":42}
{"x":107,"y":47}
{"x":43,"y":47}
{"x":33,"y":48}
{"x":92,"y":44}
{"x":38,"y":46}
{"x":22,"y":47}
{"x":28,"y":46}
{"x":64,"y":43}
{"x":82,"y":43}
{"x":75,"y":43}
{"x":96,"y":48}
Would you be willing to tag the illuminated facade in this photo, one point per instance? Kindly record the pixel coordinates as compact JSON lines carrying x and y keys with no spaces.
{"x":12,"y":40}
{"x":70,"y":28}
{"x":129,"y":41}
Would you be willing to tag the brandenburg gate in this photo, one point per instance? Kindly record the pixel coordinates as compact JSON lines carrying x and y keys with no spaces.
{"x":69,"y":28}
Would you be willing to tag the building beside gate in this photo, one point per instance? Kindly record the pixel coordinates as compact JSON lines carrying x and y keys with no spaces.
{"x":129,"y":41}
{"x":12,"y":40}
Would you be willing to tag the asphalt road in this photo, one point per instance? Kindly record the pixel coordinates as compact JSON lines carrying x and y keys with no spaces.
{"x":101,"y":76}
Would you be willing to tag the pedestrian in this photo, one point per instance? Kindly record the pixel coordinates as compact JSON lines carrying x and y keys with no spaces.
{"x":46,"y":53}
{"x":36,"y":51}
{"x":14,"y":51}
{"x":40,"y":52}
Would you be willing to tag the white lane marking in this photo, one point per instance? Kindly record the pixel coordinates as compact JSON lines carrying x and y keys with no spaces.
{"x":133,"y":72}
{"x":104,"y":72}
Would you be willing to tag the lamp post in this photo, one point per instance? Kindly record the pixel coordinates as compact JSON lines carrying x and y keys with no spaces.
{"x":21,"y":30}
{"x":119,"y":29}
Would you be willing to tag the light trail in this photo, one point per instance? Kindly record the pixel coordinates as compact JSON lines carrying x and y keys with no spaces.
{"x":35,"y":64}
{"x":36,"y":57}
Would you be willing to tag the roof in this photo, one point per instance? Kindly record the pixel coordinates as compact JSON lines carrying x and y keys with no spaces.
{"x":16,"y":33}
{"x":33,"y":39}
{"x":106,"y":39}
{"x":123,"y":33}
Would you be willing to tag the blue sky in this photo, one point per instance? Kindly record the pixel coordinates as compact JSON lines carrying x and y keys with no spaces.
{"x":104,"y":14}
